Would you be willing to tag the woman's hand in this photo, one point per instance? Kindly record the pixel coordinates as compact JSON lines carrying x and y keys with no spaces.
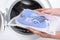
{"x":54,"y":11}
{"x":45,"y":35}
{"x":39,"y":33}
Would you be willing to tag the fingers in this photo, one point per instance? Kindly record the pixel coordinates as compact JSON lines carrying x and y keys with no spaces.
{"x":39,"y":10}
{"x":45,"y":11}
{"x":32,"y":30}
{"x":42,"y":34}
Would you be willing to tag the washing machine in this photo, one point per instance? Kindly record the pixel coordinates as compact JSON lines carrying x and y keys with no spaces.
{"x":10,"y":9}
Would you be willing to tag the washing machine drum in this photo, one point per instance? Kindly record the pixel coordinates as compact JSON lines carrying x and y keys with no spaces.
{"x":18,"y":7}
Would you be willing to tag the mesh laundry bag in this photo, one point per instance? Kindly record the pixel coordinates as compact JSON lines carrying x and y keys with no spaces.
{"x":31,"y":18}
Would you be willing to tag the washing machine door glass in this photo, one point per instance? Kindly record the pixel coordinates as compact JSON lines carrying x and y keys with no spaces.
{"x":16,"y":10}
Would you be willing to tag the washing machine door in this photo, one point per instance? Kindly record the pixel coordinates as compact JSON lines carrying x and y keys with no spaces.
{"x":1,"y":22}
